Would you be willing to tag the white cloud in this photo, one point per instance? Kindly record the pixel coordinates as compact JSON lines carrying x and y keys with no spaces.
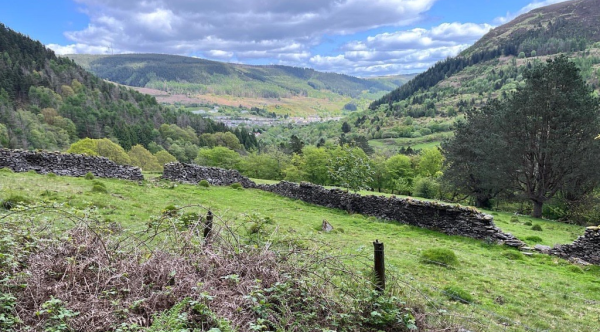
{"x":533,"y":5}
{"x":404,"y":51}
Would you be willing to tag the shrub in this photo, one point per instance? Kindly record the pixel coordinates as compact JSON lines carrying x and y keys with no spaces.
{"x":13,"y":201}
{"x":455,"y":293}
{"x":237,"y":186}
{"x":426,"y":188}
{"x":170,"y":210}
{"x":99,"y":188}
{"x":513,"y":255}
{"x":89,"y":176}
{"x":204,"y":184}
{"x":534,"y":239}
{"x":439,"y":256}
{"x":536,"y":227}
{"x":528,"y":223}
{"x":51,"y":175}
{"x":514,"y":219}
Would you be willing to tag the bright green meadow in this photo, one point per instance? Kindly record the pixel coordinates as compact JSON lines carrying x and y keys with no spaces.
{"x":508,"y":291}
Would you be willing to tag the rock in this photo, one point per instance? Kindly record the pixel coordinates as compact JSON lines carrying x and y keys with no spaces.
{"x":542,"y":248}
{"x":326,"y":226}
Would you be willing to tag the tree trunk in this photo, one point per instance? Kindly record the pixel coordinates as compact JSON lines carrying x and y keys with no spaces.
{"x":482,"y":202}
{"x":537,"y":209}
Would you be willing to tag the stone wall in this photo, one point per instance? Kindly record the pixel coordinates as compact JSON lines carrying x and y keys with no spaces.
{"x":586,"y":247}
{"x":190,"y":173}
{"x":445,"y":218}
{"x":66,"y":164}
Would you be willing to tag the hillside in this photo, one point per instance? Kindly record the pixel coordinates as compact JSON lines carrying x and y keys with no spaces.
{"x":567,"y":27}
{"x":507,"y":291}
{"x":237,"y":84}
{"x":49,"y":102}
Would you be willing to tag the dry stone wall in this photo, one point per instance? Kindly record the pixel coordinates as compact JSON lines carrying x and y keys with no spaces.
{"x":191,"y":173}
{"x":586,"y":247}
{"x":66,"y":164}
{"x":449,"y":219}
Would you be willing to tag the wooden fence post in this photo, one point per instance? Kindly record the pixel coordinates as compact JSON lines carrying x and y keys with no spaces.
{"x":379,"y":266}
{"x":208,"y":225}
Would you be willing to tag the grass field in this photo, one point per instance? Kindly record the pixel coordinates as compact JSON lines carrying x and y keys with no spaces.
{"x":510,"y":292}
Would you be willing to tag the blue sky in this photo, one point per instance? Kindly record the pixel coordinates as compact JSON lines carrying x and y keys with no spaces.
{"x":355,"y":37}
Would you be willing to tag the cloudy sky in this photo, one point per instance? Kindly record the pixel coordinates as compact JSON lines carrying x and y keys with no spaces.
{"x":355,"y":37}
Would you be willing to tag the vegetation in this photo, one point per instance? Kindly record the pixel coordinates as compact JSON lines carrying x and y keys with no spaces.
{"x":544,"y":131}
{"x":525,"y":293}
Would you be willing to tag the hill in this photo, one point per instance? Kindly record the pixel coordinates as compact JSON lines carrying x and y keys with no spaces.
{"x":567,"y":27}
{"x":505,"y":288}
{"x":49,"y":102}
{"x":236,"y":84}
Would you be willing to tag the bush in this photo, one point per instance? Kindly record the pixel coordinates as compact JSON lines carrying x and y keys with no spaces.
{"x":13,"y":201}
{"x":536,"y":227}
{"x":575,"y":269}
{"x":237,"y":186}
{"x":426,"y":188}
{"x":455,"y":293}
{"x":514,"y":219}
{"x":528,"y":223}
{"x":513,"y":255}
{"x":99,"y":188}
{"x":439,"y":256}
{"x":89,"y":176}
{"x":204,"y":184}
{"x":534,"y":239}
{"x":51,"y":175}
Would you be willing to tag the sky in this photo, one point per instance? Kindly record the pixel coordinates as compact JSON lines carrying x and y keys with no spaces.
{"x":356,"y":37}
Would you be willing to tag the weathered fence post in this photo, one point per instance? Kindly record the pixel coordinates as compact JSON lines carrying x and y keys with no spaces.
{"x":379,"y":266}
{"x":208,"y":225}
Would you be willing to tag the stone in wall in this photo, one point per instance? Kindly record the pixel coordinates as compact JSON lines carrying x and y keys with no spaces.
{"x":446,"y":218}
{"x":66,"y":164}
{"x":586,"y":247}
{"x":191,"y":173}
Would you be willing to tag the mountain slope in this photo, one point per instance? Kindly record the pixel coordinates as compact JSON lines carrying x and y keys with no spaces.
{"x":572,"y":26}
{"x":47,"y":102}
{"x":186,"y":74}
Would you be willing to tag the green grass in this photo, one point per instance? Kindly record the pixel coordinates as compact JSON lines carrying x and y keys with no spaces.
{"x":539,"y":292}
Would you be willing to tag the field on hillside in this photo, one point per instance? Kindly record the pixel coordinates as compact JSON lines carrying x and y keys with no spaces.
{"x":509,"y":291}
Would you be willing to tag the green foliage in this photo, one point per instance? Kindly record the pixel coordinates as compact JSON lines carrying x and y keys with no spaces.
{"x":6,"y":170}
{"x":164,"y":157}
{"x":350,"y":168}
{"x":531,"y":130}
{"x":456,"y":293}
{"x":13,"y":200}
{"x":534,"y":239}
{"x":514,"y":219}
{"x":426,"y":188}
{"x":237,"y":186}
{"x":89,"y":176}
{"x":439,"y":256}
{"x":57,"y":316}
{"x":8,"y":317}
{"x":218,"y":157}
{"x":430,"y":162}
{"x":143,"y":159}
{"x":536,"y":227}
{"x":528,"y":223}
{"x":51,"y":175}
{"x":576,"y":269}
{"x":99,"y":188}
{"x":101,"y":147}
{"x":204,"y":183}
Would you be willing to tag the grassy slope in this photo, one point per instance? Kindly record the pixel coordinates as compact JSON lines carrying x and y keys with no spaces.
{"x":537,"y":293}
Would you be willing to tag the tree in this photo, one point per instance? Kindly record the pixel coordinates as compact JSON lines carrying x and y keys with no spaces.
{"x":349,"y":167}
{"x":346,"y":127}
{"x":164,"y":157}
{"x":399,"y":173}
{"x":218,"y":157}
{"x":143,"y":159}
{"x":101,"y":147}
{"x":430,"y":163}
{"x":542,"y":134}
